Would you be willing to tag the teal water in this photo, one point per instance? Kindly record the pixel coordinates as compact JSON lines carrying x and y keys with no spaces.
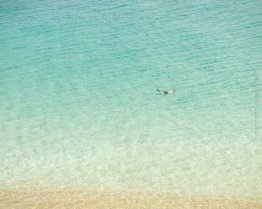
{"x":78,"y":100}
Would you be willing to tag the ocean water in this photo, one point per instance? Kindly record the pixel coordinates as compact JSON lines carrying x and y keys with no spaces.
{"x":79,"y":106}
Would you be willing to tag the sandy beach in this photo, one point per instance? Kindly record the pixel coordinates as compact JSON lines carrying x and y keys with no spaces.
{"x":104,"y":200}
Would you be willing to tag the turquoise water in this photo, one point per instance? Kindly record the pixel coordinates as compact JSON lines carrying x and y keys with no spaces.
{"x":78,"y":100}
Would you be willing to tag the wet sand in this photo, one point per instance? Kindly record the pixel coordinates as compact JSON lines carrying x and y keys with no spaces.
{"x":104,"y":200}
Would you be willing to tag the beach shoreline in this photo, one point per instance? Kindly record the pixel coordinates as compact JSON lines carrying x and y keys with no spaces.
{"x":79,"y":199}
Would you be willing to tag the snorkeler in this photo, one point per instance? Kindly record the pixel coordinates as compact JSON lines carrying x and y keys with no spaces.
{"x":167,"y":92}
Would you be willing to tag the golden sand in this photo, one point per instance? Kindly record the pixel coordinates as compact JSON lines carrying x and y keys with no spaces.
{"x":99,"y":200}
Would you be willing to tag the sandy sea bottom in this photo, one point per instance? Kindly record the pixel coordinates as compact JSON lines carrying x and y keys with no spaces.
{"x":79,"y":106}
{"x":79,"y":199}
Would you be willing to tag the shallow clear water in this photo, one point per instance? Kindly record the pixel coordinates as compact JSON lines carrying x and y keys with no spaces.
{"x":78,"y":100}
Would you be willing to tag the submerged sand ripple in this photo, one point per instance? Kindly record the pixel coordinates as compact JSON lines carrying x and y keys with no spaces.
{"x":104,"y":200}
